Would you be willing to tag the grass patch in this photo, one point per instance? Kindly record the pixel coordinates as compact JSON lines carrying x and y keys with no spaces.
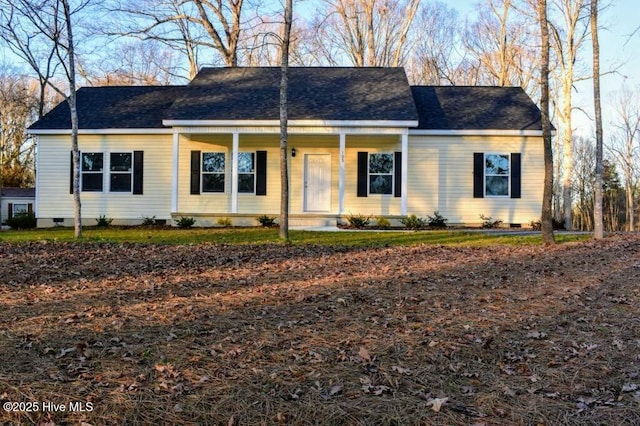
{"x":173,"y":236}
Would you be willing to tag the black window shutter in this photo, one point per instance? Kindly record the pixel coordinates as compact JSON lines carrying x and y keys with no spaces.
{"x":516,"y":175}
{"x":363,"y":172}
{"x":30,"y":208}
{"x":138,"y":164}
{"x":10,"y":207}
{"x":195,"y":172}
{"x":261,"y":173}
{"x":478,"y":175}
{"x":71,"y":174}
{"x":397,"y":178}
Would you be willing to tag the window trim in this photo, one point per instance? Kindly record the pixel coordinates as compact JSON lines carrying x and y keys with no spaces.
{"x":130,"y":172}
{"x":223,"y":173}
{"x":487,"y":175}
{"x":391,"y":173}
{"x":253,"y":172}
{"x":83,"y":172}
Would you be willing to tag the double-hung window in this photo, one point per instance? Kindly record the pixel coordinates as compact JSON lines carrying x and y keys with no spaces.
{"x":213,"y":170}
{"x":20,"y":209}
{"x":381,"y":173}
{"x":496,"y":175}
{"x":246,"y":172}
{"x":121,"y":171}
{"x":91,"y":171}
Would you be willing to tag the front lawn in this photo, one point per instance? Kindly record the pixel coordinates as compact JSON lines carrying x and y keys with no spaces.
{"x":166,"y":235}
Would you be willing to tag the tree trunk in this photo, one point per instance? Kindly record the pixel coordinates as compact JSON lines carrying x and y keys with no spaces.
{"x":77,"y":215}
{"x":547,"y":211}
{"x":284,"y":83}
{"x":568,"y":152}
{"x":598,"y":231}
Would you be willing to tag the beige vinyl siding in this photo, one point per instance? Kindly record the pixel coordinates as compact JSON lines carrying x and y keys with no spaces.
{"x":441,"y":178}
{"x":205,"y":202}
{"x":373,"y":204}
{"x":54,"y":199}
{"x":262,"y":204}
{"x":220,"y":203}
{"x":4,"y":205}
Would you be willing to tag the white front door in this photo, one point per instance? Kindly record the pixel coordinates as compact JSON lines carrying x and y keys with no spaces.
{"x":317,"y":182}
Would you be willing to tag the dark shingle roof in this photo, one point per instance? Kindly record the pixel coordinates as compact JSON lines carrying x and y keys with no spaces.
{"x":315,"y":93}
{"x":18,"y":192}
{"x":114,"y":107}
{"x":475,"y":108}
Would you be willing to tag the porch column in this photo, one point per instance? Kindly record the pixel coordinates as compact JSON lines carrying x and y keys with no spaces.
{"x":174,"y":179}
{"x":234,"y":172}
{"x":405,"y":172}
{"x":341,"y":175}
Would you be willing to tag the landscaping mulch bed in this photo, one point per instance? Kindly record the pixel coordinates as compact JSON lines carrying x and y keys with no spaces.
{"x":274,"y":334}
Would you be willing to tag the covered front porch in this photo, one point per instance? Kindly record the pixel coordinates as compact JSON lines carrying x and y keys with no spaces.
{"x":234,"y":173}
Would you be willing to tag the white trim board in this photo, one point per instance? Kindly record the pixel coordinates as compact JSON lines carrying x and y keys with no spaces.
{"x":496,"y":132}
{"x":291,"y":123}
{"x":167,"y":131}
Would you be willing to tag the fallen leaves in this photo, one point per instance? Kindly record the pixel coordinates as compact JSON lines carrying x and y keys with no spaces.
{"x":240,"y":335}
{"x":436,"y":403}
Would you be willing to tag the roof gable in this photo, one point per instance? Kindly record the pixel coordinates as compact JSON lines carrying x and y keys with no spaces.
{"x":475,"y":108}
{"x":315,"y":93}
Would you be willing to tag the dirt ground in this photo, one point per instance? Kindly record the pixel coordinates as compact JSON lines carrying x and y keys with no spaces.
{"x":245,"y":335}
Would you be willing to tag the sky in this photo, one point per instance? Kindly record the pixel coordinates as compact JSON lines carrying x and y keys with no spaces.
{"x":619,"y":58}
{"x":620,"y":55}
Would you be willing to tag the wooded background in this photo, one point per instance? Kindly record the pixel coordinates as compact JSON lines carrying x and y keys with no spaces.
{"x":157,"y":42}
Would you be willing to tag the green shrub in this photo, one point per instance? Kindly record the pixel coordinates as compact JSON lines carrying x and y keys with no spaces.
{"x":414,"y":222}
{"x":358,"y":221}
{"x":225,"y":222}
{"x":148,"y":221}
{"x":383,"y":222}
{"x":22,"y":221}
{"x":437,"y":221}
{"x":267,"y":221}
{"x":103,"y":222}
{"x":488,"y":222}
{"x":536,"y":225}
{"x":185,"y":222}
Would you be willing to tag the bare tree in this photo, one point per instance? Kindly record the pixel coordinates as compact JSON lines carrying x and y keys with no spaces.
{"x":224,"y":31}
{"x":284,"y":84}
{"x":598,"y":231}
{"x":584,"y":182}
{"x":623,"y":147}
{"x":65,"y":49}
{"x":261,"y":44}
{"x":50,"y":22}
{"x":188,"y":26}
{"x":24,"y":38}
{"x":547,"y":212}
{"x":134,"y":63}
{"x":499,"y":41}
{"x":566,"y":40}
{"x":364,"y":32}
{"x":437,"y":57}
{"x":19,"y":99}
